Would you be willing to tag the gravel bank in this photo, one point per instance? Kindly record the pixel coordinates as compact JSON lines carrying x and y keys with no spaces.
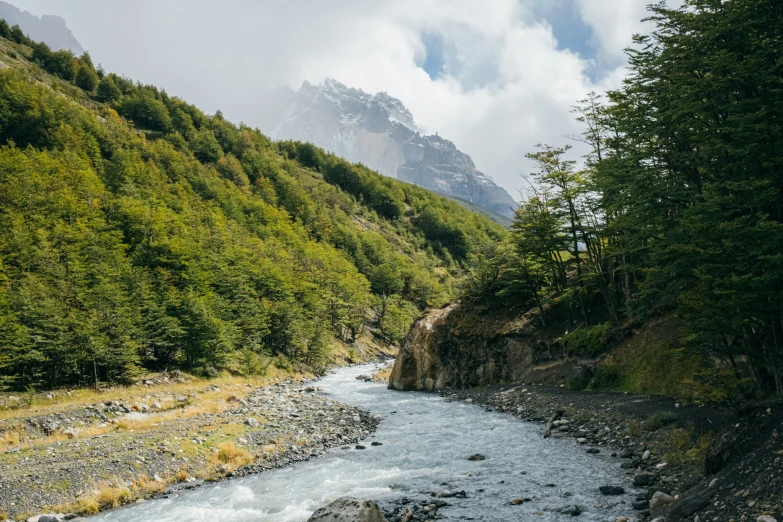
{"x":143,"y":453}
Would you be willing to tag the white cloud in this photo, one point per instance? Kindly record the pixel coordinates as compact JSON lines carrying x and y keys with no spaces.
{"x":506,"y":86}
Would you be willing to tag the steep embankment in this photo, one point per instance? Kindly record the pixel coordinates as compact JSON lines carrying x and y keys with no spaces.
{"x":460,"y":347}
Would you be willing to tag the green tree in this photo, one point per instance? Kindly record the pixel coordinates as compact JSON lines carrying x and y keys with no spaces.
{"x":86,"y":78}
{"x":108,"y":91}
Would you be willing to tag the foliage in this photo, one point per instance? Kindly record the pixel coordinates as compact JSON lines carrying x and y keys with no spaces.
{"x":587,"y":341}
{"x":678,"y":207}
{"x":86,"y":77}
{"x":146,"y":112}
{"x":108,"y":90}
{"x":186,"y":241}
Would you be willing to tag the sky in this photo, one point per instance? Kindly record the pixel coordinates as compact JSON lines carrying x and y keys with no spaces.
{"x":496,"y":77}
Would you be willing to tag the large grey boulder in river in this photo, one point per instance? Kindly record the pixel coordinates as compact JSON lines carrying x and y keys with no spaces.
{"x":349,"y":509}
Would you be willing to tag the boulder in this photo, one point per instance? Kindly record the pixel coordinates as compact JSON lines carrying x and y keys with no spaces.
{"x":611,"y":490}
{"x":349,"y":509}
{"x":660,"y":500}
{"x":477,"y":456}
{"x":643,"y":479}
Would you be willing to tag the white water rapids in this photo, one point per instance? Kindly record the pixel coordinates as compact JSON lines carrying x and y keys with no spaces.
{"x":426,"y":443}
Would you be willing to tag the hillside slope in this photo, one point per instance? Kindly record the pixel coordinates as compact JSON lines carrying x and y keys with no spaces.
{"x":182,"y":240}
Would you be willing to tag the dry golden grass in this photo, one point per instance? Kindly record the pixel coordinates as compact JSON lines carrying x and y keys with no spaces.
{"x":111,"y":496}
{"x":209,"y":402}
{"x":144,"y":486}
{"x":39,"y":404}
{"x":229,"y":454}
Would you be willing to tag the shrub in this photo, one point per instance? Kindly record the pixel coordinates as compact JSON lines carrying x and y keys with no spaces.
{"x":587,"y":341}
{"x":86,"y":78}
{"x":659,"y":420}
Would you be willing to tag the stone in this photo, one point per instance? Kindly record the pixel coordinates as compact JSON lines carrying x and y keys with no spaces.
{"x":646,"y":455}
{"x":593,"y":451}
{"x":572,"y":510}
{"x":46,"y":518}
{"x":360,"y":447}
{"x":689,"y":504}
{"x":581,"y":440}
{"x":766,"y":518}
{"x":652,"y":491}
{"x":477,"y":456}
{"x":611,"y":490}
{"x":626,"y":453}
{"x":349,"y":509}
{"x":253,"y":423}
{"x":643,"y":479}
{"x":659,"y":500}
{"x":640,"y":505}
{"x":72,"y":433}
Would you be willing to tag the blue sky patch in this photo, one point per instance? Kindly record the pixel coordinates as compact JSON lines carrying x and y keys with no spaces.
{"x":434,"y":60}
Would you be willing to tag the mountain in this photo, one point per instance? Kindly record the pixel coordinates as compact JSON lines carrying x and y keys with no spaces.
{"x":380,"y":132}
{"x":49,"y":29}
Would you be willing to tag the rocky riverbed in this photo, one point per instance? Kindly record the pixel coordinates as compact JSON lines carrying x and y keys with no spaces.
{"x":102,"y":455}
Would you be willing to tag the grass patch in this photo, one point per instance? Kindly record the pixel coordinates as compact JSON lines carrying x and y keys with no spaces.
{"x":229,"y":454}
{"x":659,"y":420}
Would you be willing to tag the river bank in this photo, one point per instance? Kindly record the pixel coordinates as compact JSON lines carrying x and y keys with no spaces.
{"x":84,"y":459}
{"x":713,"y":464}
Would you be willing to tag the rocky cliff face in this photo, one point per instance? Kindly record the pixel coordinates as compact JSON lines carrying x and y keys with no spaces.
{"x":456,"y":347}
{"x":48,"y":28}
{"x":379,"y":131}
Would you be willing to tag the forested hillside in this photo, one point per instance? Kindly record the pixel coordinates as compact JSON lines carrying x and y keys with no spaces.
{"x":677,"y":213}
{"x":137,"y":232}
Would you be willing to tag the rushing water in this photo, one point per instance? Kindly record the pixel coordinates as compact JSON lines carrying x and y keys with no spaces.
{"x":426,"y":442}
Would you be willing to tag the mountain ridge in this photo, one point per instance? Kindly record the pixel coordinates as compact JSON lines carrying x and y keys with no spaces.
{"x":50,"y":29}
{"x":379,"y":131}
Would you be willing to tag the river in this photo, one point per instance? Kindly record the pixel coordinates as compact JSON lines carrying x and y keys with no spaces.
{"x":426,"y":442}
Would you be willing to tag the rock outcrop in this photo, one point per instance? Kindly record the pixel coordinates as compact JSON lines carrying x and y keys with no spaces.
{"x":379,"y":131}
{"x":49,"y":29}
{"x":461,"y":347}
{"x":349,"y":509}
